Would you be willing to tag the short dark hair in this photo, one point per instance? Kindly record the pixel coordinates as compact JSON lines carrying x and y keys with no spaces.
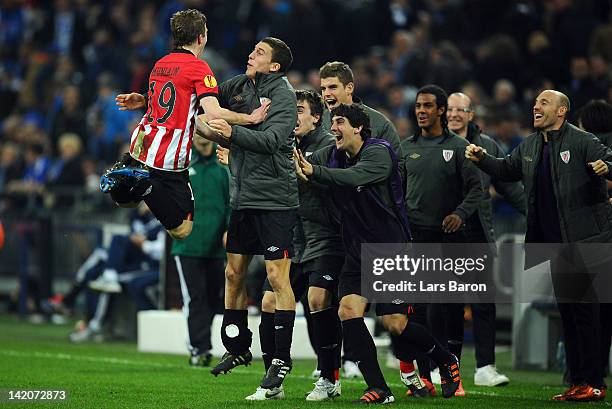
{"x":314,"y":101}
{"x":337,"y":69}
{"x":281,"y":53}
{"x":356,"y":115}
{"x":441,"y":100}
{"x":186,"y":26}
{"x":596,"y":117}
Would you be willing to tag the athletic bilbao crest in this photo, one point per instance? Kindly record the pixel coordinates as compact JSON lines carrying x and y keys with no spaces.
{"x":565,"y":156}
{"x":447,"y":154}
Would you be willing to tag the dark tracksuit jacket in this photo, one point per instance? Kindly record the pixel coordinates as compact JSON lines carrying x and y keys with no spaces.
{"x":605,"y":138}
{"x":261,"y":157}
{"x":317,"y":232}
{"x":439,"y":180}
{"x":367,"y":191}
{"x":511,"y":191}
{"x":585,"y":215}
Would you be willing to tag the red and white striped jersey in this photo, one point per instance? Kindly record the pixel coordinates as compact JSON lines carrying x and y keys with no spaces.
{"x":162,"y":139}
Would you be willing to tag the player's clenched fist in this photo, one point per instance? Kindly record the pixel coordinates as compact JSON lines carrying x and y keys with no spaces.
{"x":474,"y":153}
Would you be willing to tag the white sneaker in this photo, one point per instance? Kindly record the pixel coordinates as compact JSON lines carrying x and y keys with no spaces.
{"x":324,"y":390}
{"x":435,"y":377}
{"x":351,"y":370}
{"x":106,"y":286}
{"x":85,"y":335}
{"x":316,"y":374}
{"x":267,"y":394}
{"x":488,"y":376}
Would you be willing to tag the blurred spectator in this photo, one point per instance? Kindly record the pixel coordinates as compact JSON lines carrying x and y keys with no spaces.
{"x":404,"y":13}
{"x":100,"y":54}
{"x":397,"y":104}
{"x":504,"y":103}
{"x":545,"y":62}
{"x":145,"y":42}
{"x":507,"y":132}
{"x":11,"y":167}
{"x":66,"y":174}
{"x":64,"y":26}
{"x":37,"y":166}
{"x":109,"y":125}
{"x":447,"y":67}
{"x":70,"y":117}
{"x":498,"y":57}
{"x":92,"y":178}
{"x":569,"y":23}
{"x":582,"y":87}
{"x":601,"y":40}
{"x":600,"y":73}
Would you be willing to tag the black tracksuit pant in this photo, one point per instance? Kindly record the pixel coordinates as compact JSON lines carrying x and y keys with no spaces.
{"x":202,"y":281}
{"x":483,"y":314}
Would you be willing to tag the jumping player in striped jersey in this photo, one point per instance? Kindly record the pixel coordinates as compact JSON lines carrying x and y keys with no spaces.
{"x":180,"y":84}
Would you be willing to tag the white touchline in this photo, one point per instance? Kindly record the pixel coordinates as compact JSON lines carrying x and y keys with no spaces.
{"x":118,"y":361}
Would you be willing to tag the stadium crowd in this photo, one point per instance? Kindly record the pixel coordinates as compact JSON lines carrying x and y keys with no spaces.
{"x":63,"y":62}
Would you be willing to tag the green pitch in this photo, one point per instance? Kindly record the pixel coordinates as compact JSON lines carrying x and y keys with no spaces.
{"x":115,"y":375}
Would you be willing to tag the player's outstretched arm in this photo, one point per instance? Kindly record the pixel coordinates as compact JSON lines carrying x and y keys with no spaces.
{"x":213,"y":110}
{"x":130,"y":102}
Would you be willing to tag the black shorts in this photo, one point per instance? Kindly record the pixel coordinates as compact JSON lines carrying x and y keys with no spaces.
{"x":324,"y":272}
{"x":171,"y":198}
{"x":299,"y":282}
{"x":350,"y":283}
{"x":267,"y":232}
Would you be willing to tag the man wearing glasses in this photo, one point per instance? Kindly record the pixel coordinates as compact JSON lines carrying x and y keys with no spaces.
{"x":479,"y":229}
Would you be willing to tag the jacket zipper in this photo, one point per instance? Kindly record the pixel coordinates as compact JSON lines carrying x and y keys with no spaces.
{"x":553,"y":167}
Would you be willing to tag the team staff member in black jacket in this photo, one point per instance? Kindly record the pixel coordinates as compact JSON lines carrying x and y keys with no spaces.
{"x":479,"y":229}
{"x":366,"y":187}
{"x":561,"y":168}
{"x":596,"y":118}
{"x":264,"y":201}
{"x":443,"y":190}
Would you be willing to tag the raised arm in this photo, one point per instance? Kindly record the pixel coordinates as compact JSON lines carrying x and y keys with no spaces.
{"x":374,"y":166}
{"x":508,"y":169}
{"x":212,"y":110}
{"x":599,"y":157}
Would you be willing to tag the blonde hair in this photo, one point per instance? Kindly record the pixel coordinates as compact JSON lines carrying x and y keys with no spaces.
{"x":69,"y":140}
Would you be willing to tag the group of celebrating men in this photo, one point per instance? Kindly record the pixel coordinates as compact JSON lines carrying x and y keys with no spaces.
{"x":315,"y":176}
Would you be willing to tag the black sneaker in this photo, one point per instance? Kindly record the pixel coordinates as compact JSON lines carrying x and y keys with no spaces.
{"x":201,"y":359}
{"x":449,"y":377}
{"x":230,"y":361}
{"x":376,"y":396}
{"x":276,"y":373}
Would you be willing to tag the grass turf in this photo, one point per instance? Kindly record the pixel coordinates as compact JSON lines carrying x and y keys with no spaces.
{"x":115,"y":375}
